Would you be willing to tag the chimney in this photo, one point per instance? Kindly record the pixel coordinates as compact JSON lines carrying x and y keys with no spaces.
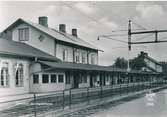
{"x":74,"y":32}
{"x":144,"y":53}
{"x":43,"y":20}
{"x":62,"y":28}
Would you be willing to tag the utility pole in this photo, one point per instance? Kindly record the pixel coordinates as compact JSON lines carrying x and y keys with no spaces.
{"x":129,"y":44}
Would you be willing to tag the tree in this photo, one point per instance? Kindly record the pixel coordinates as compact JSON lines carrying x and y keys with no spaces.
{"x":137,"y":63}
{"x":121,"y":63}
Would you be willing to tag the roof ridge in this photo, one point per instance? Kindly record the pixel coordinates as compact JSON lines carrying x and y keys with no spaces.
{"x":67,"y":35}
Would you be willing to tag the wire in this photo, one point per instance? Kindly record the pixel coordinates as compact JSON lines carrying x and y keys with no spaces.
{"x":91,"y":18}
{"x":118,"y":47}
{"x":140,"y":26}
{"x":143,"y":37}
{"x":114,"y":35}
{"x":114,"y":39}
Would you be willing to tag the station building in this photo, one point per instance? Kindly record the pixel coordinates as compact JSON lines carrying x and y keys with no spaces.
{"x":37,"y":58}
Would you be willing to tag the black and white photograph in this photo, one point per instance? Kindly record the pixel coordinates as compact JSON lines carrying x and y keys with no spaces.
{"x":83,"y":58}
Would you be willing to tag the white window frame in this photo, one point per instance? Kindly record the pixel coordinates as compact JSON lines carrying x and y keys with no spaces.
{"x":92,"y":58}
{"x":4,"y":72}
{"x":83,"y":57}
{"x":23,"y":34}
{"x":77,"y":57}
{"x":38,"y":79}
{"x":19,"y":74}
{"x":51,"y":78}
{"x":65,"y":55}
{"x":58,"y":78}
{"x":48,"y":78}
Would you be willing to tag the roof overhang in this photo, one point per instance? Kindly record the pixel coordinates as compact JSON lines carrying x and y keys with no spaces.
{"x":87,"y":67}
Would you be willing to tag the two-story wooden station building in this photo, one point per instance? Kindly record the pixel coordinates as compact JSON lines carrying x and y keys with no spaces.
{"x":36,"y":58}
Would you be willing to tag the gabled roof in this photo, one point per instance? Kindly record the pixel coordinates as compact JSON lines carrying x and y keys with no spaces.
{"x":65,"y":37}
{"x":9,"y":47}
{"x":145,"y":55}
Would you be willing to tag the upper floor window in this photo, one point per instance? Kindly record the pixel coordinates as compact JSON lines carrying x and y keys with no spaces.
{"x":4,"y":77}
{"x":65,"y":54}
{"x":24,"y":34}
{"x":19,"y":74}
{"x":83,"y":57}
{"x":77,"y":57}
{"x":92,"y":59}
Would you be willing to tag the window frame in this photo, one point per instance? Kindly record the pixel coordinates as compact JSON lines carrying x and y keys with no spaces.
{"x":83,"y":57}
{"x":45,"y":78}
{"x":59,"y":78}
{"x":92,"y":58}
{"x":19,"y":75}
{"x":77,"y":57}
{"x":51,"y":78}
{"x":23,"y":34}
{"x":36,"y":78}
{"x":65,"y":55}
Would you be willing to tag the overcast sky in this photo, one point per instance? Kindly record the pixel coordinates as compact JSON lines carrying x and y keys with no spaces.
{"x":97,"y":18}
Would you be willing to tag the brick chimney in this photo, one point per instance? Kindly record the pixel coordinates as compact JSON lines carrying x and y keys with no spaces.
{"x":43,"y":20}
{"x":62,"y":28}
{"x":74,"y":32}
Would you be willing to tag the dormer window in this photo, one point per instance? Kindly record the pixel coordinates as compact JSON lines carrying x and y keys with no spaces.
{"x":23,"y":34}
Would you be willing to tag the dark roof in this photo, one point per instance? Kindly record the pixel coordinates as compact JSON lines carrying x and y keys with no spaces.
{"x":60,"y":36}
{"x":9,"y":47}
{"x":145,"y":55}
{"x":86,"y":67}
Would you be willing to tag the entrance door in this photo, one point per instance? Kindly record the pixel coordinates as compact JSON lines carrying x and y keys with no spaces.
{"x":91,"y":80}
{"x":76,"y":79}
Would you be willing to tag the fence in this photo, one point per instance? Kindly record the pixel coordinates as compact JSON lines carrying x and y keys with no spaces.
{"x":75,"y":96}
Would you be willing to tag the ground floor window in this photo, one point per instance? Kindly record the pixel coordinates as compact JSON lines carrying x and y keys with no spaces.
{"x":53,"y":78}
{"x":4,"y":77}
{"x":19,"y":75}
{"x":35,"y":78}
{"x":45,"y":78}
{"x":60,"y":78}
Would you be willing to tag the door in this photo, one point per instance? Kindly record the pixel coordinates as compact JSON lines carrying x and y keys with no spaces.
{"x":76,"y":80}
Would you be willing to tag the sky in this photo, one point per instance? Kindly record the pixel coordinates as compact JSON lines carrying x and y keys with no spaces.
{"x":98,"y":18}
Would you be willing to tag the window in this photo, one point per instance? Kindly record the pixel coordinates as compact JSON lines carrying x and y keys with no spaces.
{"x":53,"y":78}
{"x":77,"y":57}
{"x":92,"y":59}
{"x":83,"y":57}
{"x":4,"y":77}
{"x":65,"y":55}
{"x":60,"y":78}
{"x":35,"y":79}
{"x":18,"y":74}
{"x":45,"y":78}
{"x":23,"y":34}
{"x":67,"y":78}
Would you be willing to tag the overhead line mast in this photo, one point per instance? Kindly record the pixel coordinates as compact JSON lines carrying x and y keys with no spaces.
{"x":130,"y":33}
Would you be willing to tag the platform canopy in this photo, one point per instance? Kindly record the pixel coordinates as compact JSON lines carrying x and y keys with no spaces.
{"x":87,"y":67}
